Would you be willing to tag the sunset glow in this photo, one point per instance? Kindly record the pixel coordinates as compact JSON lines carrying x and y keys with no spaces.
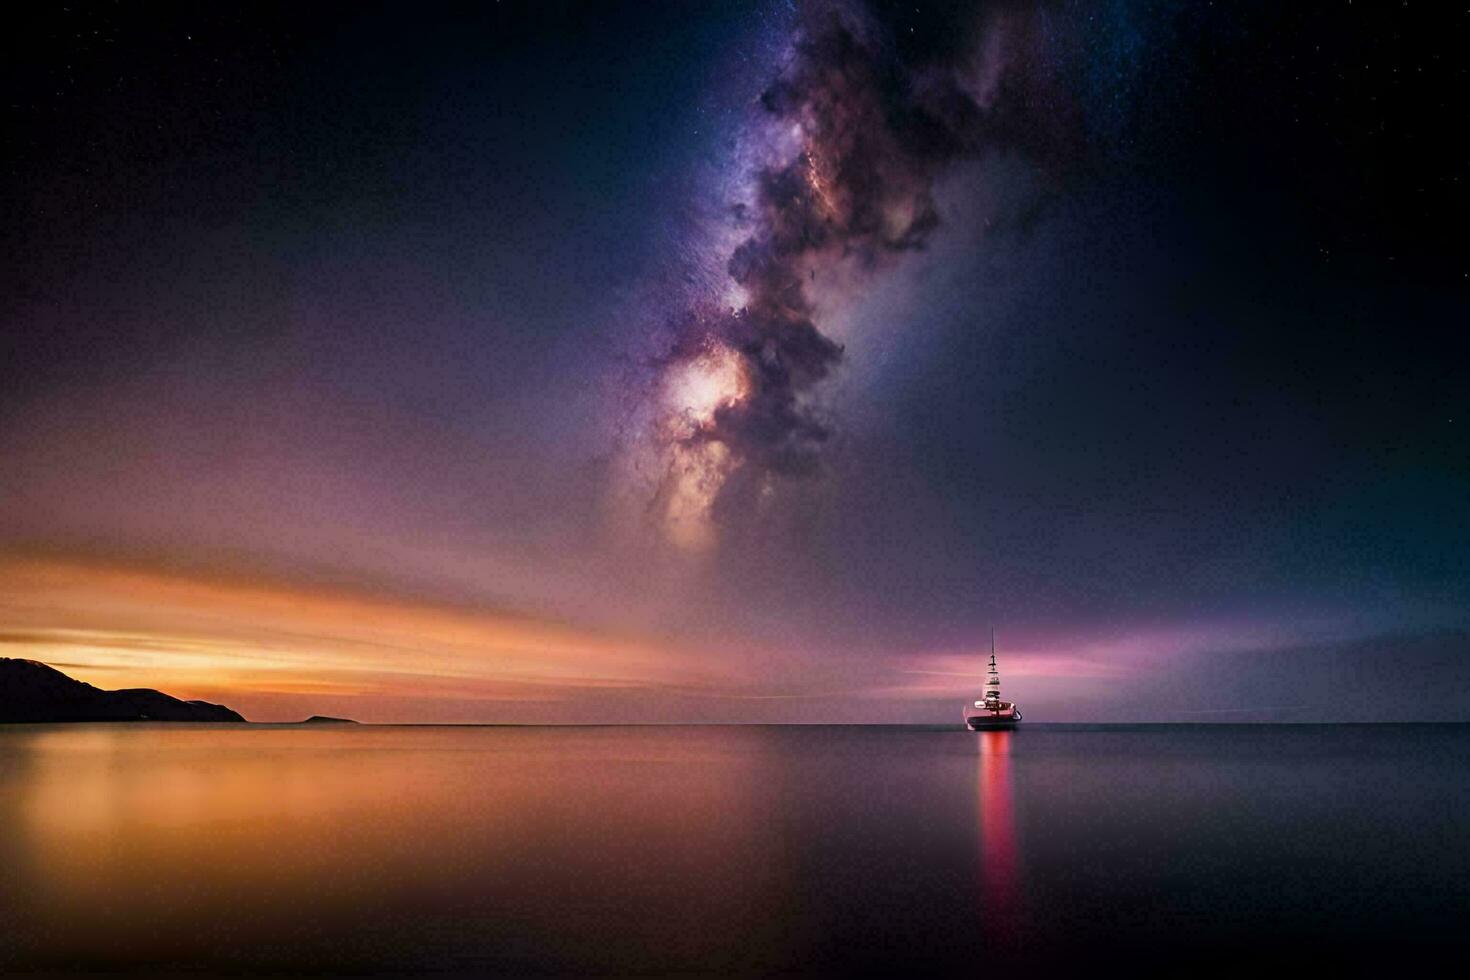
{"x":273,"y":650}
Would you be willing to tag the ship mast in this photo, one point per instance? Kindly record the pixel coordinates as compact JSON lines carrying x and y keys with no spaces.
{"x":992,"y":679}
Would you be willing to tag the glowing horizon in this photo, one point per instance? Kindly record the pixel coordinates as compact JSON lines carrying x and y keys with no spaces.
{"x":266,"y":647}
{"x":277,"y":650}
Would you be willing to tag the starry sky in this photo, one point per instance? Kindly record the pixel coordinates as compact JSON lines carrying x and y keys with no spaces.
{"x":740,"y":362}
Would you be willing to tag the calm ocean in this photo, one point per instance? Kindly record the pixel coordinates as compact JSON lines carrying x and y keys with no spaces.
{"x":1053,"y":850}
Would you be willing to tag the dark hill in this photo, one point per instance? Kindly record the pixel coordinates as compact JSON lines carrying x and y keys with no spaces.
{"x":34,"y":692}
{"x":328,"y":720}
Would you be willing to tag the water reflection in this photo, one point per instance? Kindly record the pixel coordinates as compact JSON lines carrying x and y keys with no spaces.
{"x":729,"y":850}
{"x":1000,"y":871}
{"x":372,"y":849}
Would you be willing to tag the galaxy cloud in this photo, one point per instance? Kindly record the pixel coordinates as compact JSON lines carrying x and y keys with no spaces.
{"x":842,"y":155}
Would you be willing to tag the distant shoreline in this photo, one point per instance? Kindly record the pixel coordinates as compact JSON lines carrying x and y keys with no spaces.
{"x":32,"y":692}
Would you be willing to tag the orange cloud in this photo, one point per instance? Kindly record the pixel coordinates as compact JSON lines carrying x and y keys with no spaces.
{"x":273,"y":649}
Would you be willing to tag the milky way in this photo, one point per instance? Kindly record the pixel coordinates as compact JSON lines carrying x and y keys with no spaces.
{"x":849,"y":139}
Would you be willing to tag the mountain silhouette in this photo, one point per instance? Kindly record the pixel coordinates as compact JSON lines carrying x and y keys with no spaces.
{"x":33,"y":692}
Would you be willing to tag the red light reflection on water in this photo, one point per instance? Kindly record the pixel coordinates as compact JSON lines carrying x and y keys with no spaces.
{"x":1000,"y":875}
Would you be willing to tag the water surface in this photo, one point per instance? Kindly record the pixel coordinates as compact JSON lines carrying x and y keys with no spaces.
{"x":757,"y":850}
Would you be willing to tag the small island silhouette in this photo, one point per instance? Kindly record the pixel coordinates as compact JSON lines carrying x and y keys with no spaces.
{"x":31,"y":691}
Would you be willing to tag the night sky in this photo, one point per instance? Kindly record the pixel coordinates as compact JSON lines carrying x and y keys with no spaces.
{"x":549,"y":361}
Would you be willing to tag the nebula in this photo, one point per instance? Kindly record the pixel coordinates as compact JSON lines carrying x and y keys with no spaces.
{"x":840,"y":161}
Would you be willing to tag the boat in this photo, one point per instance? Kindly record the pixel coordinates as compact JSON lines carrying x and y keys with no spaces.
{"x":990,"y":712}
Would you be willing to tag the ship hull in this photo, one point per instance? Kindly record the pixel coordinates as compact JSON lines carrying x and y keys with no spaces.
{"x":981,"y":719}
